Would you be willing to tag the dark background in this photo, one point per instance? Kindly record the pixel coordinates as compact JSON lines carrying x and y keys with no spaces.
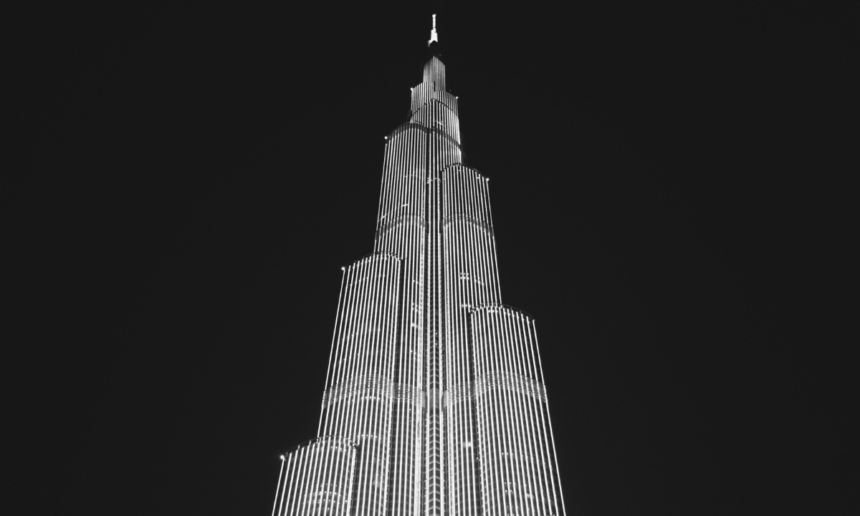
{"x":182,"y":185}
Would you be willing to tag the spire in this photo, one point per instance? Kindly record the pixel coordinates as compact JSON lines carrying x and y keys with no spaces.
{"x":433,"y":35}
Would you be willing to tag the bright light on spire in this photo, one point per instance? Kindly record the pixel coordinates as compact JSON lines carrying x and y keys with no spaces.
{"x":433,"y":35}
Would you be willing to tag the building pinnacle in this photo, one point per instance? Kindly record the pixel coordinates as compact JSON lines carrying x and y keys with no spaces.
{"x":433,"y":35}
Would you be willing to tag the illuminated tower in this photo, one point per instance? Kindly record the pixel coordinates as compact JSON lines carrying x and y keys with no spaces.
{"x":434,"y":400}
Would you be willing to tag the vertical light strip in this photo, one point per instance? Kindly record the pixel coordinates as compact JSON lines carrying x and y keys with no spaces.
{"x":331,"y":354}
{"x":278,"y":489}
{"x":556,"y":482}
{"x":289,"y":481}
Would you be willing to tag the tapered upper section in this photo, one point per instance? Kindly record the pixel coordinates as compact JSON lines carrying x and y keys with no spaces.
{"x":432,"y":88}
{"x":434,"y":72}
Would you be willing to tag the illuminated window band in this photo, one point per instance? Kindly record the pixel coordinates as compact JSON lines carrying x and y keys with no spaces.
{"x":434,"y":402}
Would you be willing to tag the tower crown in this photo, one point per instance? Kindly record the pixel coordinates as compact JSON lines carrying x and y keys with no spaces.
{"x":434,"y":73}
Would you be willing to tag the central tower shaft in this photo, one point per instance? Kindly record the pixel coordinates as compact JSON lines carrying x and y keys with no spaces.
{"x":434,"y":214}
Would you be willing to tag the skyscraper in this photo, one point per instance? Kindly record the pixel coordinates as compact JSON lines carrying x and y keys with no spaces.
{"x":434,"y":400}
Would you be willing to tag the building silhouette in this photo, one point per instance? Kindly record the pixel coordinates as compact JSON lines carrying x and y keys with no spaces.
{"x":434,"y":400}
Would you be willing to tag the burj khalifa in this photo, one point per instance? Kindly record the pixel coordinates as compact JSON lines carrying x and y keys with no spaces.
{"x":434,"y":400}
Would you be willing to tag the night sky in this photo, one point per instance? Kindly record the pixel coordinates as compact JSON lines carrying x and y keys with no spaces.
{"x":182,"y":186}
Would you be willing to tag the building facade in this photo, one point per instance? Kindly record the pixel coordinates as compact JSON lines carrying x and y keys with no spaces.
{"x":434,"y":400}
